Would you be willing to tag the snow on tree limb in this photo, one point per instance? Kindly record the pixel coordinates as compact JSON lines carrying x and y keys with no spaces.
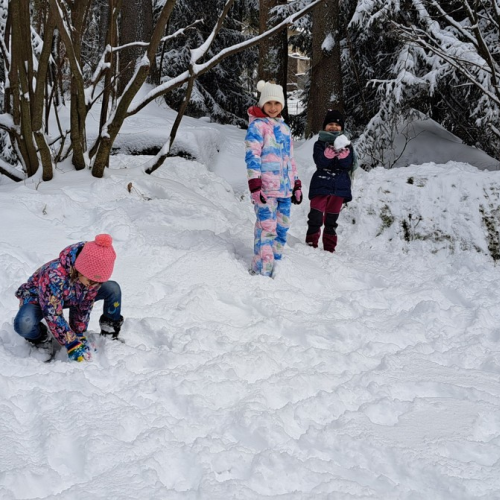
{"x":10,"y":171}
{"x":199,"y":69}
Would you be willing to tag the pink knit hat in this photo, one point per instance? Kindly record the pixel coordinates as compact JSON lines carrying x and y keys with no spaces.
{"x":97,"y":258}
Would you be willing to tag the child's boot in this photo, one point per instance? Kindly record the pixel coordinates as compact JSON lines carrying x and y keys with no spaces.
{"x":44,"y":341}
{"x":314,"y":223}
{"x":110,"y":326}
{"x":330,"y":232}
{"x":312,"y":239}
{"x":329,"y":242}
{"x":43,"y":338}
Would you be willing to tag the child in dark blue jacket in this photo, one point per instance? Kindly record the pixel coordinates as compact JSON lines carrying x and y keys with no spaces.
{"x":335,"y":161}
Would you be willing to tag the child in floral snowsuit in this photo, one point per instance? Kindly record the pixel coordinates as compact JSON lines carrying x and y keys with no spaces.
{"x":75,"y":280}
{"x":272,"y":176}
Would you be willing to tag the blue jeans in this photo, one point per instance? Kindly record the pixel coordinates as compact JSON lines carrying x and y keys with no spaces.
{"x":27,"y":320}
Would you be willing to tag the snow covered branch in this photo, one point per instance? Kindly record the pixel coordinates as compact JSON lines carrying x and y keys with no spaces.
{"x":443,"y":62}
{"x":199,"y":69}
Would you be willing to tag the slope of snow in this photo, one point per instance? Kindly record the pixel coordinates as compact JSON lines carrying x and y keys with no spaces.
{"x":369,"y":373}
{"x":424,"y":141}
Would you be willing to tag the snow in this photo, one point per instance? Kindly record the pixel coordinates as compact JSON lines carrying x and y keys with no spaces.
{"x":341,"y":142}
{"x":425,"y":141}
{"x":6,"y":121}
{"x":369,"y":373}
{"x":328,"y":43}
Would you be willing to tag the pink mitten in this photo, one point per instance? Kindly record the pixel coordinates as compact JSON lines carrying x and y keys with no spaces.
{"x":297,"y":193}
{"x":258,"y":197}
{"x":256,"y":193}
{"x":330,"y":153}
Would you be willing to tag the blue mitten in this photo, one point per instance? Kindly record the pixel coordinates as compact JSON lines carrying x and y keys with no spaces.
{"x":78,"y":350}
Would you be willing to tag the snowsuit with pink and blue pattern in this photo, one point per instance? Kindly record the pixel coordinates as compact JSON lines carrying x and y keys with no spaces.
{"x":50,"y":290}
{"x":269,"y":157}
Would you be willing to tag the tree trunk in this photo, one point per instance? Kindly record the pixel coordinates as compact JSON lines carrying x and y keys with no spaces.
{"x":78,"y":105}
{"x":105,"y":8}
{"x":39,"y":98}
{"x":326,"y":89}
{"x":109,"y":93}
{"x":273,"y":52}
{"x":107,"y":140}
{"x":136,"y":25}
{"x":21,"y":88}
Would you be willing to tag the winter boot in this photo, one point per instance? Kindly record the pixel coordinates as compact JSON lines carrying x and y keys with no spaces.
{"x":329,"y":242}
{"x":314,"y":223}
{"x":44,"y":341}
{"x":330,"y":232}
{"x":312,"y":239}
{"x":44,"y":337}
{"x":110,"y":327}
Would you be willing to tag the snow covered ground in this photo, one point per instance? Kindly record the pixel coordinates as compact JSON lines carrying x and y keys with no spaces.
{"x":371,"y":373}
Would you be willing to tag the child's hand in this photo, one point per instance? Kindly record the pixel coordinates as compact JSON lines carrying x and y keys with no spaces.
{"x":256,"y":193}
{"x":258,"y":197}
{"x":297,"y":193}
{"x":79,"y":351}
{"x":330,"y":153}
{"x":341,"y":142}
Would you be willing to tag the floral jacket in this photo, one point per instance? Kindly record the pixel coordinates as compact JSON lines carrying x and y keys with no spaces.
{"x":269,"y":154}
{"x":52,"y":288}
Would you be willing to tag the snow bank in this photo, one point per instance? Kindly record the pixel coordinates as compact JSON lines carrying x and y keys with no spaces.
{"x":368,"y":373}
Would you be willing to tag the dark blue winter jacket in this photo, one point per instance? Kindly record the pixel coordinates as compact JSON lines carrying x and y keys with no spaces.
{"x":332,"y":174}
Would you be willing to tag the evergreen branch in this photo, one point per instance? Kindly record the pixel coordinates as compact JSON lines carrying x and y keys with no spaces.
{"x":200,"y":69}
{"x":456,"y":62}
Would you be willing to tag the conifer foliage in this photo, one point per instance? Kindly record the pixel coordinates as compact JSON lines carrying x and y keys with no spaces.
{"x":220,"y":93}
{"x":439,"y":58}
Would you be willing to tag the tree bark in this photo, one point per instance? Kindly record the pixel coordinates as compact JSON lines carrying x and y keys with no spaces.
{"x":326,"y":89}
{"x":273,"y":51}
{"x":39,"y":99}
{"x":109,"y":93}
{"x":109,"y":134}
{"x":20,"y":87}
{"x":136,"y":25}
{"x":78,"y":105}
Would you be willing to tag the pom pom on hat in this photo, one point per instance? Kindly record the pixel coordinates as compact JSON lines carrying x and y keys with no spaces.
{"x":270,"y":92}
{"x":334,"y":116}
{"x":260,"y":85}
{"x":97,"y":259}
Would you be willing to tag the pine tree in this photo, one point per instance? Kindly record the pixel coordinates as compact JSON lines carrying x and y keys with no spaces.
{"x":222,"y":93}
{"x":436,"y":57}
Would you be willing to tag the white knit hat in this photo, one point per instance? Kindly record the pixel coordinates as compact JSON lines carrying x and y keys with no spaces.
{"x":270,"y":92}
